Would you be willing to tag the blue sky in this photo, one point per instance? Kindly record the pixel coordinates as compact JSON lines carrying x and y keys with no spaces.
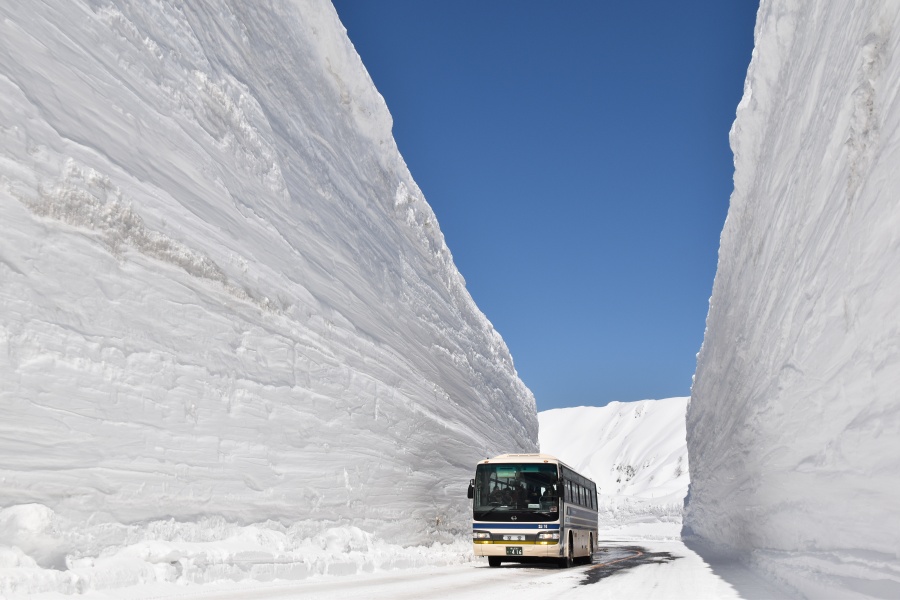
{"x":576,"y":155}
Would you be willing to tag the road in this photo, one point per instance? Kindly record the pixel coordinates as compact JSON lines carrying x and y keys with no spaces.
{"x":645,"y":570}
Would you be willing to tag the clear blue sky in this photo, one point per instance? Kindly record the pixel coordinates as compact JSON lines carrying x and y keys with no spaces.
{"x":576,"y":155}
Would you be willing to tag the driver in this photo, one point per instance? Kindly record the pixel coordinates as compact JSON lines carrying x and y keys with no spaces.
{"x":495,"y":495}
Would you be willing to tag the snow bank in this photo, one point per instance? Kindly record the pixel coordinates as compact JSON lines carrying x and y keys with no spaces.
{"x":207,"y":550}
{"x":223,"y":299}
{"x":794,"y":420}
{"x":637,"y":455}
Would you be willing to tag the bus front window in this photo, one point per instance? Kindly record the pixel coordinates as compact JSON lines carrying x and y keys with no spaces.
{"x":506,"y":491}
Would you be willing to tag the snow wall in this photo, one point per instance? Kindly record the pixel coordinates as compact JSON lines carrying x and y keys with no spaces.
{"x":793,"y":427}
{"x":222,"y":295}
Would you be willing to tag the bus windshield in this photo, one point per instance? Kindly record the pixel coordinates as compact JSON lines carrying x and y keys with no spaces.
{"x":525,"y":491}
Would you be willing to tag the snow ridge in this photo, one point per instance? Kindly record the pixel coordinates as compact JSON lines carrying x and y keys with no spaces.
{"x":635,"y":452}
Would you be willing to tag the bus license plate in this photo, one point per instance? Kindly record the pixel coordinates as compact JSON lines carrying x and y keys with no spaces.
{"x":514,"y":550}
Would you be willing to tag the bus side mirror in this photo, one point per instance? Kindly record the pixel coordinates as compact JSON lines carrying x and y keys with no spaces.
{"x":471,"y":492}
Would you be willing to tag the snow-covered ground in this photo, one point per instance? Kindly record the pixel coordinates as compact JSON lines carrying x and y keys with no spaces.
{"x":231,"y":334}
{"x":661,"y":570}
{"x":794,"y":423}
{"x":636,"y":453}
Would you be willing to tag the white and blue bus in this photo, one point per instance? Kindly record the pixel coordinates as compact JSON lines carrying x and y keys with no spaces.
{"x":532,"y":507}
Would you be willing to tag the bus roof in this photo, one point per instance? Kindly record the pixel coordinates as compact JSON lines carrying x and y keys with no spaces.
{"x":524,"y":458}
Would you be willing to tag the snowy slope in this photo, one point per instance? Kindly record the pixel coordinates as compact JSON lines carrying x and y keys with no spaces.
{"x":794,"y":422}
{"x":635,"y":452}
{"x":223,"y":299}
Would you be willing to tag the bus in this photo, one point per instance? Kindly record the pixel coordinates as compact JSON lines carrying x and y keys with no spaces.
{"x":532,"y":508}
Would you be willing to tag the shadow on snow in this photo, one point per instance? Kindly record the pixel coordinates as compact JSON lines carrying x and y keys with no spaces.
{"x":609,"y":561}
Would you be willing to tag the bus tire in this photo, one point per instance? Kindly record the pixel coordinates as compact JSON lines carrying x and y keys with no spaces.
{"x":569,"y":560}
{"x":588,"y":558}
{"x":494,"y":561}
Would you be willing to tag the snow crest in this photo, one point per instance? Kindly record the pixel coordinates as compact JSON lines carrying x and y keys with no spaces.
{"x":636,"y":454}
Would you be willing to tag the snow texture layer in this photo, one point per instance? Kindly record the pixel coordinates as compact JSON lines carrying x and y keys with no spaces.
{"x":794,"y":422}
{"x":636,"y":454}
{"x":222,"y":295}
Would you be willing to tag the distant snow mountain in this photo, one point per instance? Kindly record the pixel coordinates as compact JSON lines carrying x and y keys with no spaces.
{"x":224,"y":301}
{"x":794,"y":422}
{"x":636,"y":453}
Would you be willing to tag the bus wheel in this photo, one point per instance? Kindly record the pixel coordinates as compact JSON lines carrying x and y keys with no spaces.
{"x":586,"y":560}
{"x":569,"y":560}
{"x":494,"y":561}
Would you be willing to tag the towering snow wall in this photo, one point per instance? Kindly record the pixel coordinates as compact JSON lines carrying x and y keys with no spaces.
{"x":222,"y":294}
{"x":794,"y":423}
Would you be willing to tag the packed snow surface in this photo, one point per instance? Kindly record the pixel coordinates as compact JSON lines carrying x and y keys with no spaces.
{"x":654,"y":570}
{"x":636,"y":454}
{"x":794,"y":422}
{"x":226,"y":311}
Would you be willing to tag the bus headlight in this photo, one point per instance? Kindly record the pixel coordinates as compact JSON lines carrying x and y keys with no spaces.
{"x":482,"y":535}
{"x":548,"y":536}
